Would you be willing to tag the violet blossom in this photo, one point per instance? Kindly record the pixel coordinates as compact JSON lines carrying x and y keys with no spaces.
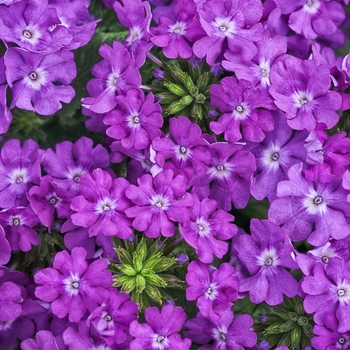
{"x":207,"y":229}
{"x":161,"y":330}
{"x":40,"y":82}
{"x":73,"y":286}
{"x":213,"y":289}
{"x":265,"y":254}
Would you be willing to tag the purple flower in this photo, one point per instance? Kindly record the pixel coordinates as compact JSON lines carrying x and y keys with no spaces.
{"x":327,"y":157}
{"x":111,"y":320}
{"x":44,"y":341}
{"x":161,"y":330}
{"x":313,"y":18}
{"x":327,"y":255}
{"x":175,"y":37}
{"x":185,"y":146}
{"x":10,"y":302}
{"x":213,"y":289}
{"x":227,"y":180}
{"x":136,"y":16}
{"x":327,"y":336}
{"x":257,"y":71}
{"x":71,"y":161}
{"x":136,"y":120}
{"x":47,"y":199}
{"x":159,"y":202}
{"x":5,"y":248}
{"x":72,"y":286}
{"x":301,"y":89}
{"x":241,"y":106}
{"x":232,"y":23}
{"x":18,"y":224}
{"x":33,"y":26}
{"x":207,"y":229}
{"x":19,"y":170}
{"x":227,"y":332}
{"x":39,"y":82}
{"x":115,"y":74}
{"x":102,"y":204}
{"x":328,"y":292}
{"x":280,"y":149}
{"x":264,"y":255}
{"x":310,"y":210}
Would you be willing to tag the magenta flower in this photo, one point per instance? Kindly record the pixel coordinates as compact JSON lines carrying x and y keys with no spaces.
{"x":310,"y":210}
{"x":208,"y":229}
{"x":265,"y":254}
{"x":280,"y":149}
{"x":71,"y":161}
{"x":136,"y":120}
{"x":227,"y":332}
{"x":102,"y":204}
{"x":111,"y":320}
{"x":161,"y":330}
{"x":213,"y":289}
{"x":44,"y":341}
{"x":301,"y":89}
{"x":73,"y":286}
{"x":18,"y":224}
{"x":176,"y":37}
{"x":5,"y":114}
{"x":327,"y":157}
{"x":227,"y":180}
{"x":40,"y":82}
{"x":233,"y":24}
{"x":27,"y":25}
{"x":185,"y":146}
{"x":115,"y":74}
{"x":48,"y":199}
{"x":244,"y":110}
{"x":19,"y":170}
{"x":159,"y":202}
{"x":328,"y":292}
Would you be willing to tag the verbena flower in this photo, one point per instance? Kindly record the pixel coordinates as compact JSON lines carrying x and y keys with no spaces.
{"x":102,"y":204}
{"x":310,"y":209}
{"x":159,"y":202}
{"x":115,"y":74}
{"x":161,"y":330}
{"x":213,"y":289}
{"x":73,"y":286}
{"x":5,"y":114}
{"x":40,"y":82}
{"x":44,"y":340}
{"x":207,"y":229}
{"x":226,"y":332}
{"x":265,"y":254}
{"x":301,"y":89}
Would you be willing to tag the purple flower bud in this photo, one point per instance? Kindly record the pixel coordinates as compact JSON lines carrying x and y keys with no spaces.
{"x":158,"y":74}
{"x":181,"y":258}
{"x":264,"y":345}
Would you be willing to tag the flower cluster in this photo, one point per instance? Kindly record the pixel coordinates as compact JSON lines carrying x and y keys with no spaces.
{"x":209,"y":208}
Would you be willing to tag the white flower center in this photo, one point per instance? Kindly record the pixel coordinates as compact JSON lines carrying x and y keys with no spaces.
{"x":75,"y":174}
{"x":19,"y":176}
{"x":112,"y":81}
{"x":343,"y":292}
{"x":160,"y":342}
{"x":265,"y":73}
{"x":220,"y":336}
{"x":134,"y":35}
{"x":52,"y":199}
{"x":301,"y":98}
{"x":225,"y":26}
{"x":30,"y":34}
{"x":212,"y":291}
{"x":268,"y":258}
{"x":182,"y":152}
{"x":160,"y":202}
{"x":178,"y":28}
{"x":134,"y":120}
{"x":203,"y":227}
{"x":314,"y":203}
{"x":72,"y":284}
{"x":35,"y":79}
{"x":220,"y":171}
{"x":15,"y":220}
{"x":105,"y":205}
{"x":271,"y":157}
{"x":241,"y":111}
{"x":311,"y":6}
